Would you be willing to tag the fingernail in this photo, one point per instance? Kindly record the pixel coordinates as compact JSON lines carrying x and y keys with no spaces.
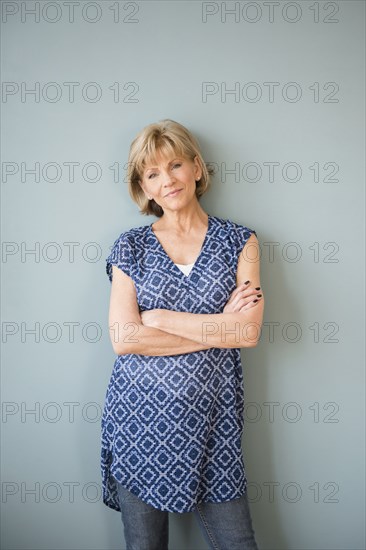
{"x":246,"y":282}
{"x":259,"y":295}
{"x":257,"y":287}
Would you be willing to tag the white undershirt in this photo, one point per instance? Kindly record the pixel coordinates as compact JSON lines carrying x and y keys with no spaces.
{"x":186,"y":268}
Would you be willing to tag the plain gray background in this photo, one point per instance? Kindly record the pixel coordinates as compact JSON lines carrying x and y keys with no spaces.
{"x":304,"y":383}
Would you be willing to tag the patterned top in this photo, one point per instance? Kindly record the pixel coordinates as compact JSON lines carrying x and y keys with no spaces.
{"x":172,"y":425}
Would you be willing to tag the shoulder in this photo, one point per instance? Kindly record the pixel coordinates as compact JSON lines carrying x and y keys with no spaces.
{"x":133,"y":235}
{"x":126,"y":250}
{"x":232,"y":229}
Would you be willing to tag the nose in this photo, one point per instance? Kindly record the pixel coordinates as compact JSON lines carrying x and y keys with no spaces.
{"x":167,"y":178}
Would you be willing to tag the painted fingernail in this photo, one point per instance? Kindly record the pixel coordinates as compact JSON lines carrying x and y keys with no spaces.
{"x":257,"y":287}
{"x":259,"y":295}
{"x":255,"y":301}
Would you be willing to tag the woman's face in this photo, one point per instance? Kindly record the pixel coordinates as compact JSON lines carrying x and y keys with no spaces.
{"x":171,"y":181}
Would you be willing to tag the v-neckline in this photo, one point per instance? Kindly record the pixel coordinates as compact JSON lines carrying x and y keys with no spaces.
{"x":199,"y":254}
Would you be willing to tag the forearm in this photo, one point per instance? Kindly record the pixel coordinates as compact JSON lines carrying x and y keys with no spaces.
{"x":220,"y":330}
{"x":144,"y":340}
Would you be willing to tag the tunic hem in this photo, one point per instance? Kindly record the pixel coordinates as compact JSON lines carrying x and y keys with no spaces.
{"x":110,"y":504}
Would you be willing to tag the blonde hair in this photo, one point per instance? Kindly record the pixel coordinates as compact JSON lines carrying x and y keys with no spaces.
{"x":164,"y":137}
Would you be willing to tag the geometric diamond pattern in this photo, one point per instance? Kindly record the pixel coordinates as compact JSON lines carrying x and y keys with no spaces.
{"x":171,"y":427}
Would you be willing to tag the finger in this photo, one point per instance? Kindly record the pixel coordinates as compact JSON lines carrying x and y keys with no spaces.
{"x":239,"y":288}
{"x":238,"y":293}
{"x":240,"y":303}
{"x":243,"y":302}
{"x":249,"y":300}
{"x":251,"y":304}
{"x":237,"y":302}
{"x":232,"y":296}
{"x":249,"y":293}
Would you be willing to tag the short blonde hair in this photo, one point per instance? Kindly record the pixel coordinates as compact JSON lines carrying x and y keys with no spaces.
{"x":162,"y":138}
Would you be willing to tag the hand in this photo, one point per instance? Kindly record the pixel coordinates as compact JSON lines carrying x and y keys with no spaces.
{"x":150,"y":317}
{"x":242,"y":298}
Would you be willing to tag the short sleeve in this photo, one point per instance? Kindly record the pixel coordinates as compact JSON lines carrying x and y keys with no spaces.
{"x":121,"y":256}
{"x":243,"y":233}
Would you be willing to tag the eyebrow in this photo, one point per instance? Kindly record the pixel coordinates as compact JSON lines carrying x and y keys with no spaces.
{"x":170,"y":162}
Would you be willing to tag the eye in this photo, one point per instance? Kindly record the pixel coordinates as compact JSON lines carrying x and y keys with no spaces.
{"x":177,"y":164}
{"x":151,"y":175}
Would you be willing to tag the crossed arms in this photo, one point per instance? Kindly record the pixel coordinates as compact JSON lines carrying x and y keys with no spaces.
{"x":160,"y":332}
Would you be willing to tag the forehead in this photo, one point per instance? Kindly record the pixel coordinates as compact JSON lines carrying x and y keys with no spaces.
{"x":161,"y":158}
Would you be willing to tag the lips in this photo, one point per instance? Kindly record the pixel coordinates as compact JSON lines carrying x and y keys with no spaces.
{"x":173,"y":193}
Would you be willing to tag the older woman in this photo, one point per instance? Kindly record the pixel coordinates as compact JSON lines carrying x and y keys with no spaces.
{"x":185,"y":297}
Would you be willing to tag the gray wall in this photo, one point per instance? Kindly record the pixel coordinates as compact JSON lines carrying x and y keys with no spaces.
{"x":304,"y":383}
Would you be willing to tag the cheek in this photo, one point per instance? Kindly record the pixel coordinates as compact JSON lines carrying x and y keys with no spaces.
{"x":148,"y":188}
{"x":188,"y":173}
{"x":143,"y":187}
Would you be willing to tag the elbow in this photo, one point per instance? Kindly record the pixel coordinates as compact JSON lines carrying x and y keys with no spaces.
{"x":128,"y":348}
{"x":121,"y":348}
{"x":123,"y":339}
{"x":250,"y":344}
{"x":252,"y":335}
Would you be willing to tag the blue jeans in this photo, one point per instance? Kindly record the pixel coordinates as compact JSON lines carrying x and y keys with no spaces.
{"x":225,"y":525}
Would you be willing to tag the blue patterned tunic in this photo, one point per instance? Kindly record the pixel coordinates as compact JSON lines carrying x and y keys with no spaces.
{"x":172,"y":425}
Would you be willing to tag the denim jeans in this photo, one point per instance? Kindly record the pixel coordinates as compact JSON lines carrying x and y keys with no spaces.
{"x":224,"y":525}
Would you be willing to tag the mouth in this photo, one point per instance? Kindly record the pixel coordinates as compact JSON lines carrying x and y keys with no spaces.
{"x":173,"y":193}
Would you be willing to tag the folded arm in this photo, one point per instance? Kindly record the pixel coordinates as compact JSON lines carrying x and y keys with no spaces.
{"x":127,"y":332}
{"x":160,"y":332}
{"x":234,"y":329}
{"x":219,"y":330}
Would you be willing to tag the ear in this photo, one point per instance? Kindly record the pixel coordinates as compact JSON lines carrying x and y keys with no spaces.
{"x":198,"y":169}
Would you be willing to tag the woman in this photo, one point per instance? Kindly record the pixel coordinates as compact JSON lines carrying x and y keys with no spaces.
{"x":185,"y":297}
